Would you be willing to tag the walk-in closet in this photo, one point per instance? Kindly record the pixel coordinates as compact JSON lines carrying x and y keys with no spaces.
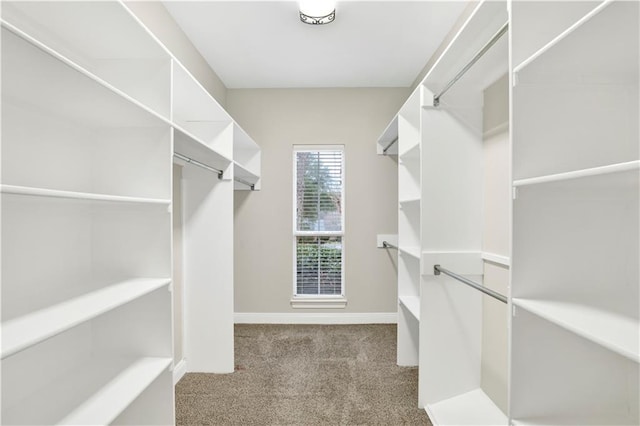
{"x":320,"y":212}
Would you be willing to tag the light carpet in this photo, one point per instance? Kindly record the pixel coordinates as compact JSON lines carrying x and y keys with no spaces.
{"x":306,"y":375}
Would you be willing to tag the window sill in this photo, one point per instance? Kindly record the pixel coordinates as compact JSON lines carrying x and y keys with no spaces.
{"x":338,"y":302}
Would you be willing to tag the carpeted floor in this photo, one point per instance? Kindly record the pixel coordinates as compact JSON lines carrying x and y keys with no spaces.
{"x":306,"y":375}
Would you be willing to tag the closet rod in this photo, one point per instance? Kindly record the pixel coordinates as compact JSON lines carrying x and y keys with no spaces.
{"x":437,"y":269}
{"x":199,"y":164}
{"x":387,"y":245}
{"x":389,"y":145}
{"x":250,"y":185}
{"x":481,"y":52}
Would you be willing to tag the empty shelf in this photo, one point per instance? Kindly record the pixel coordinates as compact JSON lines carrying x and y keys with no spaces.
{"x":615,"y":332}
{"x":95,"y":393}
{"x":412,"y":303}
{"x":28,"y":330}
{"x":410,"y":251}
{"x":470,"y":408}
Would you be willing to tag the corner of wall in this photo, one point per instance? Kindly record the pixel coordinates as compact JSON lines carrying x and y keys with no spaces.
{"x":155,"y":16}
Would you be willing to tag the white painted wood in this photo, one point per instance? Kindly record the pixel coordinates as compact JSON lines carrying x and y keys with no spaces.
{"x":118,"y":394}
{"x":459,"y":262}
{"x":30,"y":329}
{"x":179,"y":370}
{"x":208,"y":271}
{"x":42,"y":192}
{"x":615,"y":332}
{"x":586,"y":18}
{"x":577,"y":174}
{"x":574,"y":274}
{"x":192,"y":147}
{"x":86,"y":216}
{"x":389,"y":134}
{"x":411,"y":251}
{"x":496,"y":258}
{"x":408,"y":339}
{"x":412,"y":304}
{"x":586,"y":79}
{"x":97,"y":392}
{"x":470,"y":408}
{"x":130,"y":59}
{"x":558,"y":377}
{"x":246,"y":157}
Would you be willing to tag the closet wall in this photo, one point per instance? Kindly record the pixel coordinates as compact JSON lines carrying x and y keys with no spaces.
{"x":264,"y":240}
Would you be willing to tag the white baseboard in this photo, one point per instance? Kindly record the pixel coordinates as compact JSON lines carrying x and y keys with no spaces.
{"x":316,"y":318}
{"x":179,"y":370}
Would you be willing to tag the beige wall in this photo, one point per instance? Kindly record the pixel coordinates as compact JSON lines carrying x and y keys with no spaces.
{"x":279,"y":118}
{"x":495,"y":239}
{"x":155,"y":16}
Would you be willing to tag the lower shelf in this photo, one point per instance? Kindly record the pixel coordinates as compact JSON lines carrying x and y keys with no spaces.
{"x":470,"y":408}
{"x":614,"y":419}
{"x":412,"y":303}
{"x":96,"y":393}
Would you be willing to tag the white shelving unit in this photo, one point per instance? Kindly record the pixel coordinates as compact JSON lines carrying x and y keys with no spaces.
{"x":246,"y":155}
{"x":86,"y":243}
{"x":454,"y":333}
{"x":575,"y":281}
{"x":87,"y":217}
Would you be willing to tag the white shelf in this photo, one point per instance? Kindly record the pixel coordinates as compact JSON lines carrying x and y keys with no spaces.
{"x":410,"y":251}
{"x":43,"y":192}
{"x":470,"y":408}
{"x":412,"y":303}
{"x":615,"y":332}
{"x":241,"y":172}
{"x":562,"y":36}
{"x":30,"y":65}
{"x":412,"y":153}
{"x":28,"y":330}
{"x":409,"y":202}
{"x":577,"y":174}
{"x":186,"y":143}
{"x":116,"y":395}
{"x":390,"y":133}
{"x":95,"y":393}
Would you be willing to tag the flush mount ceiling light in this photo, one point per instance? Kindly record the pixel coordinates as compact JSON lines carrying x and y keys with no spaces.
{"x":317,"y":12}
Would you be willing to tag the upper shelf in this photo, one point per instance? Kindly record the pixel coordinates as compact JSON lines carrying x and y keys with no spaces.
{"x":487,"y":18}
{"x":28,"y":68}
{"x":130,"y":58}
{"x":389,"y":135}
{"x":600,"y":48}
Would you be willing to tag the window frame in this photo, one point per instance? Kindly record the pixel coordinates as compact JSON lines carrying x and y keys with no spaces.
{"x":317,"y":300}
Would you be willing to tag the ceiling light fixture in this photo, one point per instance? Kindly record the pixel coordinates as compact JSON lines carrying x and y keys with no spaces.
{"x":317,"y":12}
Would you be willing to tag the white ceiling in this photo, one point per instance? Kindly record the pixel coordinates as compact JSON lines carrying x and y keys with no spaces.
{"x":263,"y":44}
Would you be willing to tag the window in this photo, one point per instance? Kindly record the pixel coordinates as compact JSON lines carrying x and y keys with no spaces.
{"x":319,"y":222}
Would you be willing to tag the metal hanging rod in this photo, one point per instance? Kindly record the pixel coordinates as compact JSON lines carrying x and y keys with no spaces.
{"x":199,"y":164}
{"x":387,"y":245}
{"x":437,"y":269}
{"x":481,"y":52}
{"x":389,"y":145}
{"x":250,"y":185}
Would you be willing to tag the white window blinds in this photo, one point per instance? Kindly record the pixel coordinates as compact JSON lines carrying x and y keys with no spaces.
{"x":319,"y":218}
